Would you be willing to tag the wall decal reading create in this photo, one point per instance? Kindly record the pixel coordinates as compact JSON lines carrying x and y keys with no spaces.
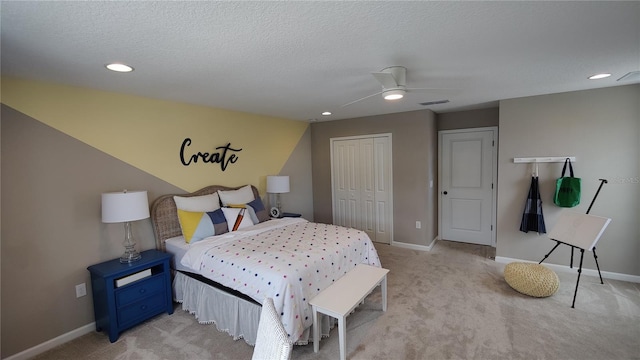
{"x":223,"y":156}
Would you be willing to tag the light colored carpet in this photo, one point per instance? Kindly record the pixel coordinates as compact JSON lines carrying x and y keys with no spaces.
{"x":449,"y":303}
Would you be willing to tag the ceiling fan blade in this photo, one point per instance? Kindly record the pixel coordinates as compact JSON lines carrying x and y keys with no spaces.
{"x":386,"y":79}
{"x":366,"y":97}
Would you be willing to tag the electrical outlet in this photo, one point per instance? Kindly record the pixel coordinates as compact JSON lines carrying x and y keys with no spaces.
{"x":418,"y":225}
{"x":81,"y":290}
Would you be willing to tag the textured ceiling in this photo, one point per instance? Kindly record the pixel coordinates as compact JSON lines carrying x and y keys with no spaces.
{"x":297,"y":59}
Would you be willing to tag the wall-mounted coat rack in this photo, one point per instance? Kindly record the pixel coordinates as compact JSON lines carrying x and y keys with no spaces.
{"x":548,"y":159}
{"x":536,"y":160}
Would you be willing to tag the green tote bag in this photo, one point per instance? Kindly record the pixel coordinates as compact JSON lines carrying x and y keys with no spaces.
{"x":567,"y":188}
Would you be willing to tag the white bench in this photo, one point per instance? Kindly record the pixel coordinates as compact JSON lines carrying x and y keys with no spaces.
{"x":341,"y":297}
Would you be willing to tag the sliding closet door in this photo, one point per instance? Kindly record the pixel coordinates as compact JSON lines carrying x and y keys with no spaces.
{"x":361,"y":180}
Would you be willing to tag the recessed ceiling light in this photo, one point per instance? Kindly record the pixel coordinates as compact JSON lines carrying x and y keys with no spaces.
{"x":119,"y":67}
{"x":326,"y":113}
{"x":599,"y":76}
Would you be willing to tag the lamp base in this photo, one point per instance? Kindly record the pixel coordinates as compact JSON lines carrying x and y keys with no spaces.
{"x":130,"y":253}
{"x":129,"y":256}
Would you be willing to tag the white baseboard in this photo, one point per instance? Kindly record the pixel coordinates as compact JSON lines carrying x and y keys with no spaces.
{"x":415,"y":246}
{"x":50,"y":344}
{"x":574,"y":270}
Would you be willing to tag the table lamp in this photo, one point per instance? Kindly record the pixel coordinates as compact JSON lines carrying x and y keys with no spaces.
{"x":125,"y":207}
{"x":277,"y":185}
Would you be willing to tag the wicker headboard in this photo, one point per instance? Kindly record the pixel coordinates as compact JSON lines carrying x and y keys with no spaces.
{"x":164,"y":214}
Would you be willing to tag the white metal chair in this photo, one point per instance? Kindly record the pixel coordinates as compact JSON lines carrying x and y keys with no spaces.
{"x":272,"y":341}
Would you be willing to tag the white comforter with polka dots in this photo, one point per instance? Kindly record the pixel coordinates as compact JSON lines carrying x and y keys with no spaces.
{"x":290,"y":260}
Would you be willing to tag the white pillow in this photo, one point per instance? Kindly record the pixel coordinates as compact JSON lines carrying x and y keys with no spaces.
{"x":201,"y":203}
{"x":231,"y":214}
{"x":241,"y":196}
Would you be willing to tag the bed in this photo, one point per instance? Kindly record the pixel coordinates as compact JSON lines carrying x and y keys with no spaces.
{"x":223,"y":279}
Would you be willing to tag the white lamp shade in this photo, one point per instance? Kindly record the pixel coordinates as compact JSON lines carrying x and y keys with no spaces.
{"x":124,"y":206}
{"x":277,"y":184}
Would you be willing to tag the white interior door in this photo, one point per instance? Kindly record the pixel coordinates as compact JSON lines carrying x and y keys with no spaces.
{"x":467,"y":178}
{"x":362,"y":190}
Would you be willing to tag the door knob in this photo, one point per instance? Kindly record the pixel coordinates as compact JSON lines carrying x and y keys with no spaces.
{"x":444,"y":192}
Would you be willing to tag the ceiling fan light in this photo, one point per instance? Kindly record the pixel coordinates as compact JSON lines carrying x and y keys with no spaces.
{"x":393,"y":94}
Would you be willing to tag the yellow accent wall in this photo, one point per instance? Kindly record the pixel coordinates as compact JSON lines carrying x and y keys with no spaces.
{"x":148,"y":133}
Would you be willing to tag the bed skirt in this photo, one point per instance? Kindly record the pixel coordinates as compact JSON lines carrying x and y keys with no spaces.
{"x":231,"y":314}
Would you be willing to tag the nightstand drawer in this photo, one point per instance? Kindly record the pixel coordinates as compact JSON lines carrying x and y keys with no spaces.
{"x":140,"y":289}
{"x":141,"y":309}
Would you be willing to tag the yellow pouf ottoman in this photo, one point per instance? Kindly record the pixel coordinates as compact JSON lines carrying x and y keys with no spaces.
{"x":531,"y":279}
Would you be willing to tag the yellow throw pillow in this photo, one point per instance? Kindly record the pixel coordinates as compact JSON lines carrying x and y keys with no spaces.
{"x":197,"y":225}
{"x":189,"y":221}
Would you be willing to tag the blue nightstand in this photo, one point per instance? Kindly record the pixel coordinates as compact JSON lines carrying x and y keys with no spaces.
{"x":125,"y":295}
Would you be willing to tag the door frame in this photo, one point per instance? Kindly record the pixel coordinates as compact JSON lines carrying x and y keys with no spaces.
{"x":358,"y":137}
{"x":494,"y":178}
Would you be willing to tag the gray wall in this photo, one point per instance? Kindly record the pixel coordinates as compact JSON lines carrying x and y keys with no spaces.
{"x":468,"y":119}
{"x":414,"y":157}
{"x":298,"y":167}
{"x":51,"y":228}
{"x":602,"y":129}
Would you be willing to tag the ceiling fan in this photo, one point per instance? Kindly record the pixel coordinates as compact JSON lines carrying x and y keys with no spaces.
{"x":394,"y":84}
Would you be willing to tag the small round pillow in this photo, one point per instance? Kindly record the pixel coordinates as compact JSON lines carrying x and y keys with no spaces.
{"x":531,"y":279}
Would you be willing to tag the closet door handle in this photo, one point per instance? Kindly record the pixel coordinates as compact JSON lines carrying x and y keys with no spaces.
{"x":444,"y":192}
